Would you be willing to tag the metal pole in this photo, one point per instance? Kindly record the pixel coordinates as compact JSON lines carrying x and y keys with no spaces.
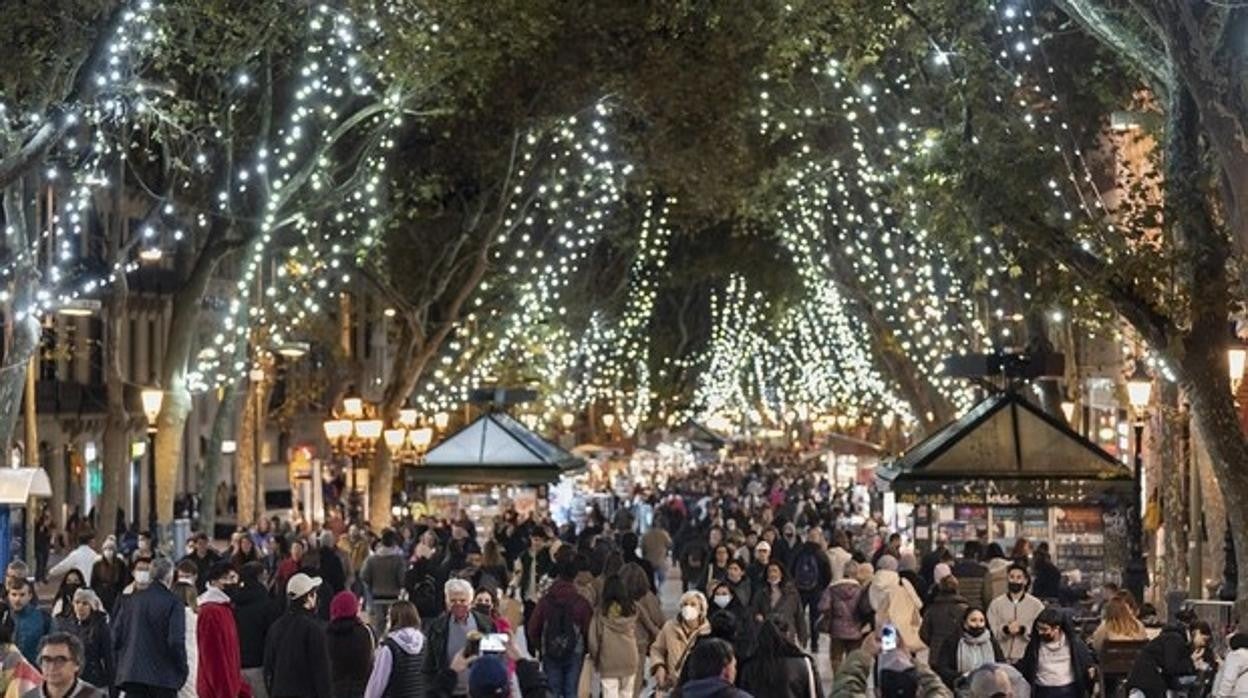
{"x":1135,"y":576}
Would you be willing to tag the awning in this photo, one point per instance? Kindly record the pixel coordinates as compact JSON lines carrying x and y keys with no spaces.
{"x":20,"y":484}
{"x":1006,"y":450}
{"x":494,"y":450}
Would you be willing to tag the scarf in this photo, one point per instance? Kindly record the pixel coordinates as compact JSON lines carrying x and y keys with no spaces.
{"x":974,"y":652}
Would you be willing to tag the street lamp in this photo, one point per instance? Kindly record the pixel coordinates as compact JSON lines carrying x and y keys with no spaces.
{"x":567,"y":420}
{"x":152,"y":399}
{"x":353,"y":434}
{"x":441,"y":421}
{"x":1139,"y":394}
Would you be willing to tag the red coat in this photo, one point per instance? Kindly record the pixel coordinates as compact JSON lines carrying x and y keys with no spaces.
{"x":220,"y":664}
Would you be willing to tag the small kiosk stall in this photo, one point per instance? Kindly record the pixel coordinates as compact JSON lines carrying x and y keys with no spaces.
{"x":1007,"y":470}
{"x":17,"y":487}
{"x":492,"y":460}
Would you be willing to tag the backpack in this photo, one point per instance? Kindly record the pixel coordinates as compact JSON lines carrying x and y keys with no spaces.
{"x":864,"y":614}
{"x":561,"y":638}
{"x":806,"y":573}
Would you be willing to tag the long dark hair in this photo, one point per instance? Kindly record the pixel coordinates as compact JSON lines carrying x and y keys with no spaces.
{"x":66,"y":594}
{"x":771,"y":650}
{"x":613,"y":591}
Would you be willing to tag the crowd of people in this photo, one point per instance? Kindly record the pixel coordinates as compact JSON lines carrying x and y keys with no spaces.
{"x":775,"y":567}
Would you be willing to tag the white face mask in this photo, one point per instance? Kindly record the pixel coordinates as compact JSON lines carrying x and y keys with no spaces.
{"x":723,"y":601}
{"x":142,"y":577}
{"x":690,"y":613}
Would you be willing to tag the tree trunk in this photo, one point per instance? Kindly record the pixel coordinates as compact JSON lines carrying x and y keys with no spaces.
{"x":1171,"y":480}
{"x":25,"y":332}
{"x":250,"y":469}
{"x":409,"y":363}
{"x":115,"y":442}
{"x":170,"y":435}
{"x":223,"y":424}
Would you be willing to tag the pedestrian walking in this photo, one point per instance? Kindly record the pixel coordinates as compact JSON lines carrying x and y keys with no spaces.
{"x":30,"y":622}
{"x":1012,"y":615}
{"x":296,"y":655}
{"x":447,"y":637}
{"x":219,"y":672}
{"x":61,"y":659}
{"x":668,"y":653}
{"x":398,"y":665}
{"x":350,"y":646}
{"x":149,"y":639}
{"x":778,"y":667}
{"x":382,"y":575}
{"x":109,"y":574}
{"x":613,"y":640}
{"x":254,"y":612}
{"x":970,"y":648}
{"x":779,"y":600}
{"x":89,"y":624}
{"x":558,"y":628}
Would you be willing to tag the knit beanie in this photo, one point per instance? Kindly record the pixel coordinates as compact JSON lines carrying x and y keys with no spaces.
{"x":344,"y":605}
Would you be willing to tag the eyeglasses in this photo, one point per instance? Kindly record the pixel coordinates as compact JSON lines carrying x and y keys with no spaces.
{"x":55,"y":660}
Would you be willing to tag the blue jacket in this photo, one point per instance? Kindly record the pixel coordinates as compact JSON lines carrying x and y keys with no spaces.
{"x":149,"y":639}
{"x":30,"y":625}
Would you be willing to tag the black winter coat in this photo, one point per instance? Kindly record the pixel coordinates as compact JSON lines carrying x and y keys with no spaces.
{"x":96,"y":641}
{"x":351,"y":656}
{"x":1162,"y":662}
{"x":254,"y":612}
{"x":296,"y":657}
{"x":1080,"y":657}
{"x":788,"y":609}
{"x":796,"y":675}
{"x":439,"y":678}
{"x":149,"y":639}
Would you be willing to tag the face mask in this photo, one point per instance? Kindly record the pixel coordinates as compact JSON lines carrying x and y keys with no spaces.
{"x":723,"y":601}
{"x":975,"y":632}
{"x":142,"y":577}
{"x":110,"y":554}
{"x":483,"y":608}
{"x":1016,"y":587}
{"x":690,"y":613}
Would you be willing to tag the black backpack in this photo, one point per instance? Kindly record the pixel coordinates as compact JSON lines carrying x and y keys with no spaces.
{"x":561,"y":638}
{"x":806,"y":572}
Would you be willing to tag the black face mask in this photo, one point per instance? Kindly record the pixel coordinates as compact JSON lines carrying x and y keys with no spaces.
{"x":1016,"y":587}
{"x":483,"y":609}
{"x":975,"y":632}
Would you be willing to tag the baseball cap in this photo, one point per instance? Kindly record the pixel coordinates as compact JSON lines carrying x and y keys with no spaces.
{"x":300,"y":584}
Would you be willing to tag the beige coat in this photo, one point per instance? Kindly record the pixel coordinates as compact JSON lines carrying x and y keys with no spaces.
{"x":613,"y":644}
{"x":654,"y":546}
{"x":649,"y":622}
{"x":672,"y":645}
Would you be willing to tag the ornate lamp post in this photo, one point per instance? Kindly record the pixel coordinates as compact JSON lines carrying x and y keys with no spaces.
{"x":407,"y":440}
{"x":1139,"y":394}
{"x":351,"y":436}
{"x":152,"y":399}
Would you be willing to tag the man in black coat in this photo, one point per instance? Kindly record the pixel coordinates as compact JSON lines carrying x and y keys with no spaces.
{"x":445,"y":640}
{"x":296,"y":653}
{"x":1164,"y":663}
{"x":1056,"y":650}
{"x":254,"y":612}
{"x":204,"y":558}
{"x":149,"y":638}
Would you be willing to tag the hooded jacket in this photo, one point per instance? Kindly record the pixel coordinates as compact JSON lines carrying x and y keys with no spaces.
{"x":838,"y":604}
{"x":219,"y":672}
{"x":612,"y":643}
{"x":409,"y":641}
{"x":1162,"y":661}
{"x":895,"y":601}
